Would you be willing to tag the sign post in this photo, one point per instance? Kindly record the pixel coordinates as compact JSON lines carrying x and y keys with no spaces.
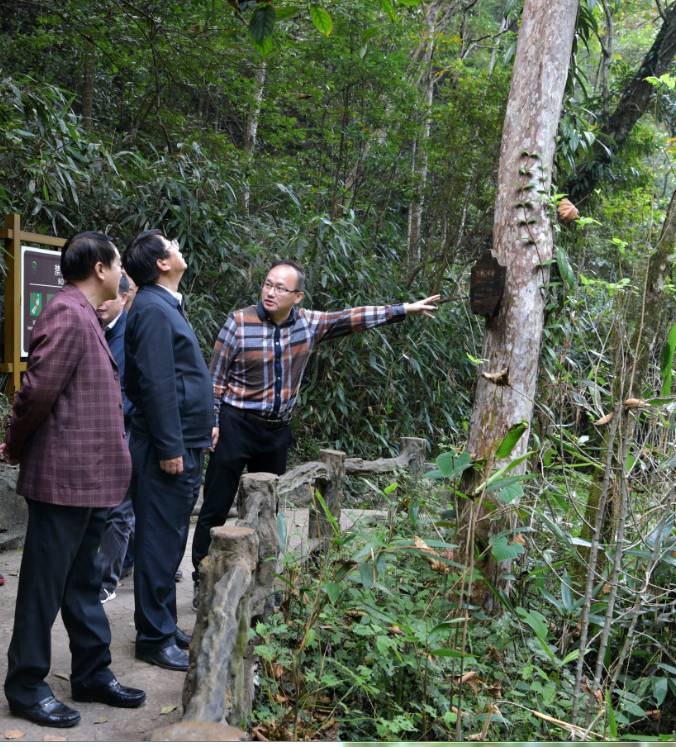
{"x":33,"y":276}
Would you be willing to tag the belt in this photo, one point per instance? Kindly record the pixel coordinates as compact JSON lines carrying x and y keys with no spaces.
{"x":261,"y":419}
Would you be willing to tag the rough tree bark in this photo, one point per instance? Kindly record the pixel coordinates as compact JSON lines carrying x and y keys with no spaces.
{"x":522,"y":241}
{"x":633,"y":103}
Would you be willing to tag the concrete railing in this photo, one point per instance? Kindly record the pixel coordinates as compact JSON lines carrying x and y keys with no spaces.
{"x":237,"y":577}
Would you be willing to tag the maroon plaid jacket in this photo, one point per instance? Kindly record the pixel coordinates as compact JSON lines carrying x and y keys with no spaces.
{"x":67,"y":428}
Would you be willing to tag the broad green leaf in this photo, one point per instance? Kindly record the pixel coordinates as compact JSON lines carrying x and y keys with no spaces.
{"x":366,"y":573}
{"x":507,"y":489}
{"x":629,"y":706}
{"x":383,"y":644}
{"x":321,"y":19}
{"x":565,"y":270}
{"x":283,"y":14}
{"x":510,"y":440}
{"x":660,"y":690}
{"x":262,"y":23}
{"x":502,"y":549}
{"x":332,"y":591}
{"x":535,"y":620}
{"x":451,"y":464}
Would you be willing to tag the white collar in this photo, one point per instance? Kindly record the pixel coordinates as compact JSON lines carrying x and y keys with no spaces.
{"x":178,"y":296}
{"x":115,"y":321}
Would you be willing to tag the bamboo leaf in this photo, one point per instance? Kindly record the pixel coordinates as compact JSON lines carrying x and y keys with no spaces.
{"x":668,"y":361}
{"x":510,"y":440}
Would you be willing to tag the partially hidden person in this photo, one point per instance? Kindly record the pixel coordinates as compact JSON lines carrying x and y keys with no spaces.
{"x":120,"y":520}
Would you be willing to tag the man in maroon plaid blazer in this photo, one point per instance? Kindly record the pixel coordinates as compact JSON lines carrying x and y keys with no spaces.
{"x":67,"y":434}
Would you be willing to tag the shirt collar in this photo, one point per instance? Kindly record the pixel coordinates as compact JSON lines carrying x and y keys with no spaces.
{"x":114,"y":322}
{"x":178,"y":296}
{"x":263,"y":315}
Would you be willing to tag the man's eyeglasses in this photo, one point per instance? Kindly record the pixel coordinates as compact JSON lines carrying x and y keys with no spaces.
{"x":279,"y":289}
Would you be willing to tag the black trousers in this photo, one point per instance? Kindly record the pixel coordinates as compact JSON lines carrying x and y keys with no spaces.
{"x":242,"y":442}
{"x":162,"y":504}
{"x":59,"y":570}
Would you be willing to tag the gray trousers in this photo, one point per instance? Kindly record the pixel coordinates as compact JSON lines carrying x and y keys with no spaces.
{"x":120,"y":523}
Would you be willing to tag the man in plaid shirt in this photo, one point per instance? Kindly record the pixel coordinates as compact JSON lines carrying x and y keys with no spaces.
{"x":256,"y":369}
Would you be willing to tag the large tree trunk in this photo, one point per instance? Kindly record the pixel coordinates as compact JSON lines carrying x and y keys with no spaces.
{"x":522,"y":241}
{"x":634,"y":102}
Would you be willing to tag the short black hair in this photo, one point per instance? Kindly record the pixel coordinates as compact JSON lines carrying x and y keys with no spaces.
{"x":140,"y":257}
{"x":124,"y":285}
{"x":299,"y":271}
{"x":81,"y":253}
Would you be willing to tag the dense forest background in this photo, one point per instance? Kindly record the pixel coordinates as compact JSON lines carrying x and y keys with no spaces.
{"x":362,"y":139}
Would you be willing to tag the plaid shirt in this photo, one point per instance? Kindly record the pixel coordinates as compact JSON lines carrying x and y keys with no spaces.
{"x":258,"y":365}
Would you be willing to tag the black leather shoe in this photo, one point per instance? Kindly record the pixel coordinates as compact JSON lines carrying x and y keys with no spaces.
{"x":169,"y":657}
{"x":182,"y":638}
{"x":112,"y":694}
{"x":48,"y":712}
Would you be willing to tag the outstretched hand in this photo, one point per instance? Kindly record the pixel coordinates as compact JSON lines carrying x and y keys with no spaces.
{"x":425,"y":306}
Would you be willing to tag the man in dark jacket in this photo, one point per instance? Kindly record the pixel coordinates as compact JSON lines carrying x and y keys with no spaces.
{"x":120,"y":521}
{"x":67,"y":434}
{"x":168,"y":383}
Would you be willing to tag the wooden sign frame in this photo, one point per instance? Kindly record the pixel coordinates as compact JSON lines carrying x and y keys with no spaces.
{"x":14,"y":237}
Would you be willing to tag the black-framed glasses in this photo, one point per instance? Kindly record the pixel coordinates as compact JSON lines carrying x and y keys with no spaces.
{"x":280,"y":289}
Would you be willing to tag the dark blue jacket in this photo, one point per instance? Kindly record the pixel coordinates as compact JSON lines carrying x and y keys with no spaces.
{"x":166,"y":377}
{"x":115,"y":340}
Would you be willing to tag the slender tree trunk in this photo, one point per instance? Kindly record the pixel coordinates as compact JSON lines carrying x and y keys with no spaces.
{"x":633,"y":103}
{"x":522,"y":239}
{"x":420,"y":157}
{"x":606,"y":42}
{"x":88,"y":83}
{"x":251,"y":131}
{"x":646,"y":317}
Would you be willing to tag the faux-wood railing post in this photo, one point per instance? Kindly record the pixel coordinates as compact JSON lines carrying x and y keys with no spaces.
{"x":219,"y":683}
{"x":414,"y":451}
{"x":332,"y":493}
